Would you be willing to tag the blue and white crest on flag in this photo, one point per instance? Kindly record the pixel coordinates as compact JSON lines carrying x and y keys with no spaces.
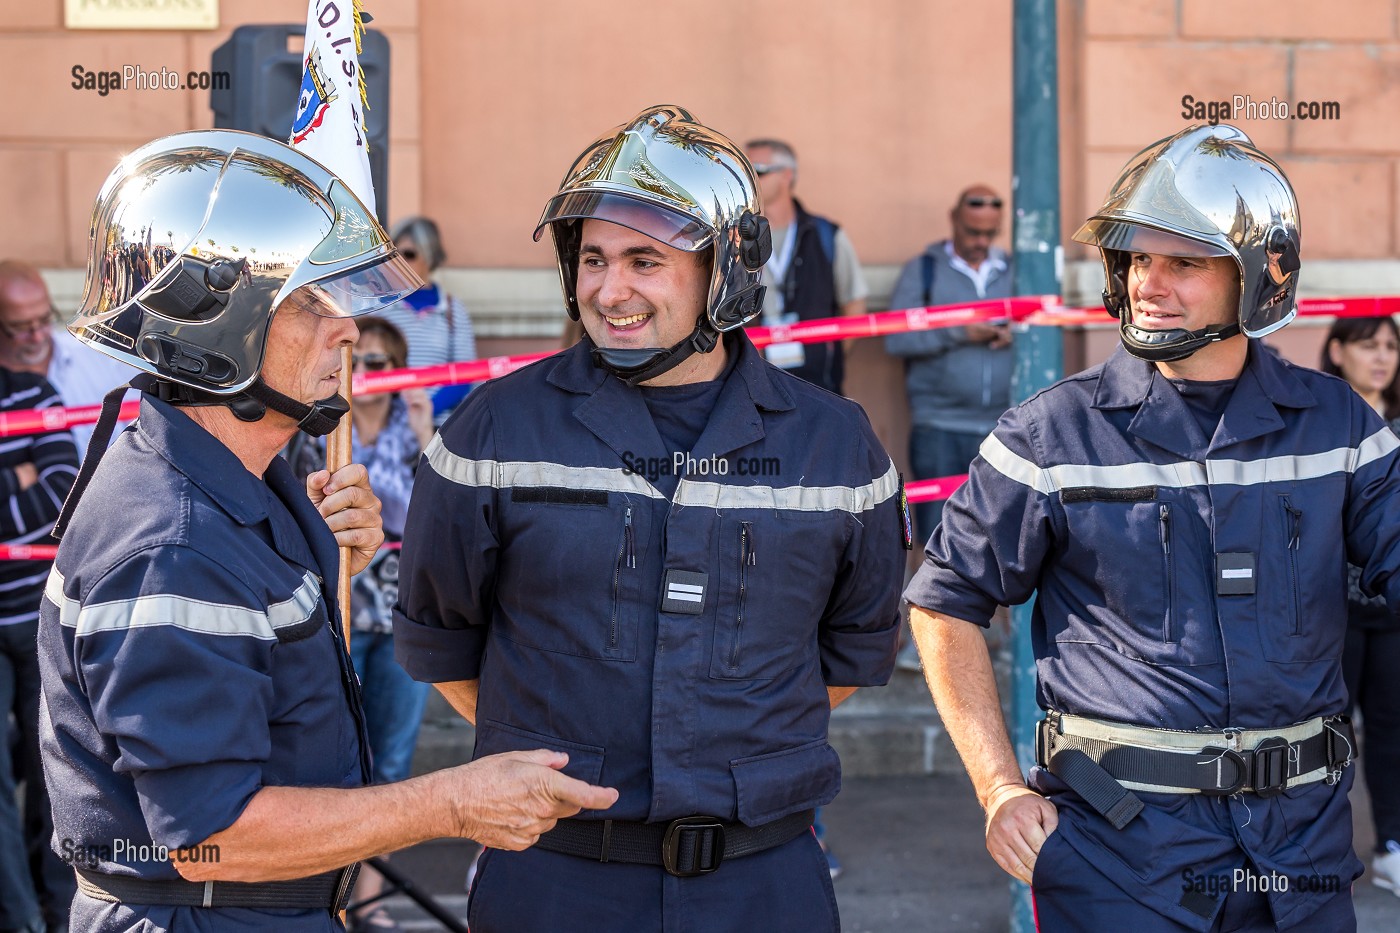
{"x":317,"y":95}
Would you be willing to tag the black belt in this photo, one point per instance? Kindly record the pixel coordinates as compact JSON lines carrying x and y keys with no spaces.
{"x":1094,"y":766}
{"x":328,"y":891}
{"x":689,"y":846}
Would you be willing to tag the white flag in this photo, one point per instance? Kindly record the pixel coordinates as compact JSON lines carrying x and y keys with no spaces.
{"x":330,"y":120}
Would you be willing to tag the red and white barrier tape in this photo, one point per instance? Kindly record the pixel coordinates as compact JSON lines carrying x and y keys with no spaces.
{"x":1042,"y":310}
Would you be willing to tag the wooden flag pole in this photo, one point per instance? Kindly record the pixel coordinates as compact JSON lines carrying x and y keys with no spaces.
{"x":337,"y":456}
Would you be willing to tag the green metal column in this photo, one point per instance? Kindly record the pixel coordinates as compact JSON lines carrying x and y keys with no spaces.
{"x":1038,"y":263}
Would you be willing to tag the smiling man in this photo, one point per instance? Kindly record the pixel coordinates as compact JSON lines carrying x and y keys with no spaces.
{"x":202,"y":729}
{"x":1183,"y":514}
{"x":681,"y":633}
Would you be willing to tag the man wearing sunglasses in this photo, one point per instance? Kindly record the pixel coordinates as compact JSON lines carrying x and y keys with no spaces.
{"x":33,"y":341}
{"x":813,"y":272}
{"x":958,"y":378}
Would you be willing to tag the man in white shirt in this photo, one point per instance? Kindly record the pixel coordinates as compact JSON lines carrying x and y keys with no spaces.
{"x":32,"y":340}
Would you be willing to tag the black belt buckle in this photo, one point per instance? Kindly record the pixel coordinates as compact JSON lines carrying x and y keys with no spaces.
{"x":1270,"y":776}
{"x":1214,"y":754}
{"x":671,"y":846}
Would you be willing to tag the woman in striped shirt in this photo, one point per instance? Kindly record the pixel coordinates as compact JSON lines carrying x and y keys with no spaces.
{"x":436,"y":324}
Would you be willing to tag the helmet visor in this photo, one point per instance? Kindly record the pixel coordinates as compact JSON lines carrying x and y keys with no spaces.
{"x":1137,"y":238}
{"x":359,"y":291}
{"x":660,"y":223}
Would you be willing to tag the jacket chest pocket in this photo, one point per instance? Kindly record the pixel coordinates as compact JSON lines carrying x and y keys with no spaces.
{"x":1302,"y":602}
{"x":776,"y":574}
{"x":1145,"y":556}
{"x":583,"y":599}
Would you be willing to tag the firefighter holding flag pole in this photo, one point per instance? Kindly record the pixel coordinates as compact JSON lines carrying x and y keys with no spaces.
{"x":202,"y":732}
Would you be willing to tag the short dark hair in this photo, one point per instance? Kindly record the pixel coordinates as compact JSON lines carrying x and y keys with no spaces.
{"x":1353,"y":330}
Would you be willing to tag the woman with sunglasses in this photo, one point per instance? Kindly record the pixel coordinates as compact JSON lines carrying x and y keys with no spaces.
{"x":1366,"y":353}
{"x":389,"y":431}
{"x":435,"y":324}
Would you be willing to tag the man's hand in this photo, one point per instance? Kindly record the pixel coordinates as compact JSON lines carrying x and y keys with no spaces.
{"x":994,"y":336}
{"x":27,"y":474}
{"x":1018,"y":822}
{"x":507,"y":801}
{"x":351,"y":510}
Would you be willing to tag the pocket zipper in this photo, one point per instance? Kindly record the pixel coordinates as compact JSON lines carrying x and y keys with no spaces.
{"x":1295,"y":531}
{"x":748,"y":557}
{"x":1164,"y":517}
{"x":625,"y":554}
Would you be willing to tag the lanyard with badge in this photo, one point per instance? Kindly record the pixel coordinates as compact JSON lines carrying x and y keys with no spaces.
{"x":788,"y":355}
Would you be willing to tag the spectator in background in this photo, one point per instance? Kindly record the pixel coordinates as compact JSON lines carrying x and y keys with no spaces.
{"x":1366,"y":353}
{"x":32,"y":341}
{"x":435,"y":324}
{"x":813,"y":272}
{"x":389,"y":432}
{"x":958,"y":378}
{"x":36,"y":472}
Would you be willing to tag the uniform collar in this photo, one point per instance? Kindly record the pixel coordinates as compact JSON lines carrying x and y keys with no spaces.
{"x":1163,"y":418}
{"x":618,"y":415}
{"x":573,"y":371}
{"x":203,"y":459}
{"x":217,"y":472}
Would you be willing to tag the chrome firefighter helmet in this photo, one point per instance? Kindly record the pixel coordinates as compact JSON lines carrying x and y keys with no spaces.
{"x":671,"y":178}
{"x":196,"y":240}
{"x":1207,"y":191}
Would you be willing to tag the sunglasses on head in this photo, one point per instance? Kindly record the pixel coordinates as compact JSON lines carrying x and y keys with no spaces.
{"x":982,"y":202}
{"x":374,"y":362}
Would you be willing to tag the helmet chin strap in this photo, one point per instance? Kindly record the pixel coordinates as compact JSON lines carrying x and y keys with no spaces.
{"x":637,"y":366}
{"x":317,"y":419}
{"x":1165,"y":346}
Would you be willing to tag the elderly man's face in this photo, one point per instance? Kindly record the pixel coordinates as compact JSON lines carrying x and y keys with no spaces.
{"x":1189,"y":292}
{"x":975,"y":229}
{"x":26,"y":319}
{"x":303,"y":350}
{"x":635,"y":292}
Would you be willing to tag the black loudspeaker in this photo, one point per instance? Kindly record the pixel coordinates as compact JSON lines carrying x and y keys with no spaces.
{"x":265,"y":82}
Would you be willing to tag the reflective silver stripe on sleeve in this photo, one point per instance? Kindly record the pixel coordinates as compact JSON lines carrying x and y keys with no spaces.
{"x":792,"y":498}
{"x":192,"y":615}
{"x":1376,"y":446}
{"x":506,"y":474}
{"x":1184,"y":473}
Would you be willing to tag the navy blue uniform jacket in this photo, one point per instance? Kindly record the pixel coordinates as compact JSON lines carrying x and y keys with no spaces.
{"x":678,"y":648}
{"x":188,"y":657}
{"x":1102,"y":496}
